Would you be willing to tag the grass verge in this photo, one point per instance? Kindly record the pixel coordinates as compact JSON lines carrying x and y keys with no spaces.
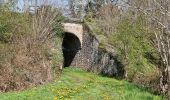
{"x":75,"y":84}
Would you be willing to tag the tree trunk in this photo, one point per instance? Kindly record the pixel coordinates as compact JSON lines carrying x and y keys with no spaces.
{"x":168,"y":82}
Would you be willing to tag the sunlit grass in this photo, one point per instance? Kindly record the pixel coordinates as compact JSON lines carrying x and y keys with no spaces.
{"x":75,"y":84}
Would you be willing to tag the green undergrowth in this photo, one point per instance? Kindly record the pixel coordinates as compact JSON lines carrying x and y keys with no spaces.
{"x":75,"y":84}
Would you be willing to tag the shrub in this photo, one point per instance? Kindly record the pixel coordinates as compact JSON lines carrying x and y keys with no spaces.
{"x":132,"y":41}
{"x":29,"y":48}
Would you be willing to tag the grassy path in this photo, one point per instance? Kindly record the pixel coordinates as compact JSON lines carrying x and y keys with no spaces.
{"x":75,"y":84}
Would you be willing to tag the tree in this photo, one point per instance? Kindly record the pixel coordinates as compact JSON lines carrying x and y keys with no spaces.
{"x":163,"y":42}
{"x":77,"y":8}
{"x":158,"y":13}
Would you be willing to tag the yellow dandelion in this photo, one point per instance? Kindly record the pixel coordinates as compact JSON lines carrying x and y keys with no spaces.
{"x":55,"y":98}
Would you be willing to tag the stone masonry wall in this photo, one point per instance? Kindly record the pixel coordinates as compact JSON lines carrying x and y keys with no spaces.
{"x":92,"y":58}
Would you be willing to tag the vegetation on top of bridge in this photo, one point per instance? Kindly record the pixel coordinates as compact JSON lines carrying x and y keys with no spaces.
{"x":73,"y":20}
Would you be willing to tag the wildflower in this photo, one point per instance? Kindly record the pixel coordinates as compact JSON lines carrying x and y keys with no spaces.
{"x":55,"y":98}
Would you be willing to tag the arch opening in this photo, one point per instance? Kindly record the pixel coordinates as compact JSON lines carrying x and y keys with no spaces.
{"x":70,"y":47}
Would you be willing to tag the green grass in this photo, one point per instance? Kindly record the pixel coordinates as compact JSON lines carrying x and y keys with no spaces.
{"x":75,"y":84}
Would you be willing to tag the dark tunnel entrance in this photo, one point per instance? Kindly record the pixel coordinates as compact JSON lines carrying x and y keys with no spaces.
{"x":70,"y":46}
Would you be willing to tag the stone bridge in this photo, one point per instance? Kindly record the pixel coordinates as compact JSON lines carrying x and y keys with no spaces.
{"x":81,"y":49}
{"x":76,"y":45}
{"x":74,"y":29}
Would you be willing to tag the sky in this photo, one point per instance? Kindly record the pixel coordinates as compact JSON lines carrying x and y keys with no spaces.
{"x":62,"y":4}
{"x":57,"y":3}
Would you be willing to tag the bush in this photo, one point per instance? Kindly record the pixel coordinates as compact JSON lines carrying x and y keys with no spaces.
{"x":29,"y":48}
{"x":132,"y":41}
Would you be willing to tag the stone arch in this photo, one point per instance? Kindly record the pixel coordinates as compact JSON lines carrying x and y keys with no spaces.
{"x":74,"y":28}
{"x":70,"y":47}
